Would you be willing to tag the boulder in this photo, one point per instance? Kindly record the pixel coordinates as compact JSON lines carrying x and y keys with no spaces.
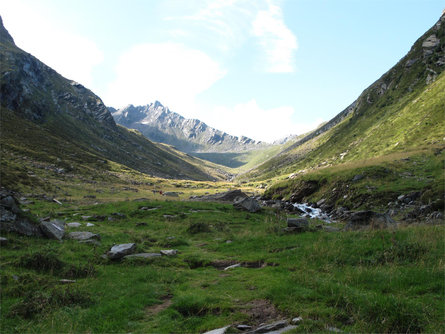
{"x":74,"y":224}
{"x":228,"y":196}
{"x":248,"y":204}
{"x":299,"y":223}
{"x":54,"y":229}
{"x":82,"y":236}
{"x":143,"y":255}
{"x":171,"y":194}
{"x":12,"y":218}
{"x":271,"y":327}
{"x":169,"y":252}
{"x":119,"y":251}
{"x":369,"y":219}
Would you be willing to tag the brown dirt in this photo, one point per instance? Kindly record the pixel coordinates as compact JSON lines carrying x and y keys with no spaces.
{"x":155,"y":309}
{"x":261,"y":311}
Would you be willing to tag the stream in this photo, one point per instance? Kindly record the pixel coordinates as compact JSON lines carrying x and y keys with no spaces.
{"x":312,"y":212}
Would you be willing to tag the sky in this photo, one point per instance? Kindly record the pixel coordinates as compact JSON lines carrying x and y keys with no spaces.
{"x":264,"y":69}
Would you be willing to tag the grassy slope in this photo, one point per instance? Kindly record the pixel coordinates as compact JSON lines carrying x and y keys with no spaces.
{"x":379,"y":281}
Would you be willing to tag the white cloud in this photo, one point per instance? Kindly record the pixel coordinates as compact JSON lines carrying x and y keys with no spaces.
{"x":72,"y":55}
{"x":276,"y":39}
{"x":171,"y":73}
{"x":249,"y":119}
{"x":227,"y":24}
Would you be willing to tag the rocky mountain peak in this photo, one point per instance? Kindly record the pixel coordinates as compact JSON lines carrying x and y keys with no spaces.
{"x":5,"y":37}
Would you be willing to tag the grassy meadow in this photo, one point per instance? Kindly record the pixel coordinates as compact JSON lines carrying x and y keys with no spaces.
{"x":375,"y":281}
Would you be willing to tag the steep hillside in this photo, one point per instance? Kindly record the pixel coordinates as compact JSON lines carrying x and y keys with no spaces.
{"x":160,"y":124}
{"x":44,"y":112}
{"x":402,"y":111}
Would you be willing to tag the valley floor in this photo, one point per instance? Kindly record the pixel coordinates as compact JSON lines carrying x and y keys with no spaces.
{"x":366,"y":281}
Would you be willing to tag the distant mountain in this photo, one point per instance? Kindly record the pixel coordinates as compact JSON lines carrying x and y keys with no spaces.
{"x":47,"y":116}
{"x":402,"y":111}
{"x":160,"y":124}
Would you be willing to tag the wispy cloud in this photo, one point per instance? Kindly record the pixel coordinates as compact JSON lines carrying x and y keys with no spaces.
{"x":276,"y":39}
{"x":227,"y":24}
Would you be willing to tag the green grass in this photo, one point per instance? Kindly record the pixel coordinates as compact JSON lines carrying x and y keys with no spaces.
{"x":376,"y":281}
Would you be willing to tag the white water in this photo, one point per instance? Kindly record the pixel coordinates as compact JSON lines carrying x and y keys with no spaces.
{"x":312,"y":212}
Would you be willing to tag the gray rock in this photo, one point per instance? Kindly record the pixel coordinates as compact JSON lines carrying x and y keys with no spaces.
{"x":243,"y":327}
{"x":232,"y":266}
{"x":369,"y":219}
{"x":143,"y":255}
{"x":86,"y":217}
{"x":431,"y":42}
{"x":74,"y":224}
{"x":296,"y":320}
{"x":83,"y":236}
{"x":54,"y":229}
{"x":283,"y":330}
{"x":171,"y":194}
{"x":218,"y":330}
{"x":169,"y":252}
{"x":249,"y":204}
{"x":357,"y":177}
{"x":271,"y":327}
{"x":90,"y":224}
{"x":67,"y":281}
{"x":119,"y":251}
{"x":300,"y":223}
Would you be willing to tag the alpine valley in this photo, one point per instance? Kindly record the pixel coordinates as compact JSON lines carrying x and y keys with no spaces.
{"x":140,"y":220}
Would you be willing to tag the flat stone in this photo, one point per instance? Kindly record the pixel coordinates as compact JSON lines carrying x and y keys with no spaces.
{"x":169,"y":252}
{"x":74,"y":224}
{"x":232,"y":266}
{"x":271,"y":327}
{"x":119,"y":251}
{"x":143,"y":255}
{"x":86,"y":217}
{"x":243,"y":327}
{"x":90,"y":224}
{"x":54,"y":229}
{"x":218,"y":330}
{"x":67,"y":281}
{"x":83,"y":236}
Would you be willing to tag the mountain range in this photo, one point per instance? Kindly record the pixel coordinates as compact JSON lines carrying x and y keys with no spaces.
{"x":158,"y":123}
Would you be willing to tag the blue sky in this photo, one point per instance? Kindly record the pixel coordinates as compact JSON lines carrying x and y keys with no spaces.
{"x":259,"y":68}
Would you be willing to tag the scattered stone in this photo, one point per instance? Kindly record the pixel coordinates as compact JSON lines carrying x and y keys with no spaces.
{"x":218,"y":330}
{"x":248,"y":203}
{"x":370,"y":219}
{"x":271,"y":327}
{"x":90,"y":224}
{"x":67,"y":281}
{"x":143,"y":255}
{"x":119,"y":214}
{"x":74,"y":224}
{"x":169,"y":252}
{"x":12,"y":218}
{"x":3,"y":241}
{"x":57,"y":201}
{"x":171,"y":194}
{"x":119,"y":251}
{"x":83,"y":236}
{"x":282,"y":330}
{"x":296,"y":320}
{"x":243,"y":327}
{"x":232,"y":266}
{"x":54,"y":229}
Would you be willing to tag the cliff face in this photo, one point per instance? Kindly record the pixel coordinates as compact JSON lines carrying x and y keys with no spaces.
{"x":159,"y":124}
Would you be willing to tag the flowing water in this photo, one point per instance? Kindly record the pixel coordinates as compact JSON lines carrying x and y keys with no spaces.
{"x":312,"y":212}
